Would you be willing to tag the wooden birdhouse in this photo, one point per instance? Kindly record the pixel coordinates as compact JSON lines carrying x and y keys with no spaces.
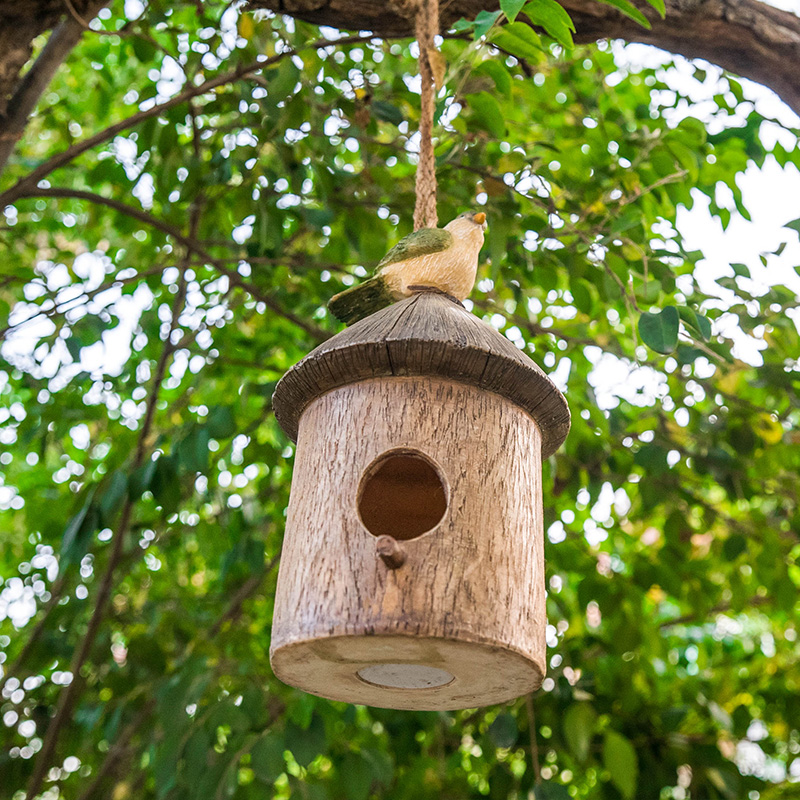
{"x":412,"y":573}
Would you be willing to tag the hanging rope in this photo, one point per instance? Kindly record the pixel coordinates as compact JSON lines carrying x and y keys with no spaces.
{"x":426,"y":27}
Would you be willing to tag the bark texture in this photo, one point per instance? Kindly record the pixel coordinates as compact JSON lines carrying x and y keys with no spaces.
{"x":21,"y":21}
{"x":746,"y":37}
{"x":20,"y":24}
{"x":468,"y":600}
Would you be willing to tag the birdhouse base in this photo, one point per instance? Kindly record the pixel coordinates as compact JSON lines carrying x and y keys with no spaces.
{"x":407,"y":672}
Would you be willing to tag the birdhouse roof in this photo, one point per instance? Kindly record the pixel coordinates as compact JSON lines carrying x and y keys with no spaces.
{"x":426,"y":334}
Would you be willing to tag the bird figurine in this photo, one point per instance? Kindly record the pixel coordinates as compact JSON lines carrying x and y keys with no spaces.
{"x":442,"y":259}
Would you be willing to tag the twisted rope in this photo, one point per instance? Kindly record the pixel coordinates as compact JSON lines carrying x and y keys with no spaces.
{"x":426,"y":26}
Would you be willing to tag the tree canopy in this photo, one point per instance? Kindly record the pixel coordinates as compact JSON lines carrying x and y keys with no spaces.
{"x":194,"y":185}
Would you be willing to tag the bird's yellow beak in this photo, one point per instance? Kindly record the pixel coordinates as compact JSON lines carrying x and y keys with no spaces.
{"x":480,"y":218}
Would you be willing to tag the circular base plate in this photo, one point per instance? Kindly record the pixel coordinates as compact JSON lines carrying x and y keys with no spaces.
{"x":407,"y":672}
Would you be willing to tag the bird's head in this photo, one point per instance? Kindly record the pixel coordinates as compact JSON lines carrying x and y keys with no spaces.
{"x":476,"y":217}
{"x":468,"y":223}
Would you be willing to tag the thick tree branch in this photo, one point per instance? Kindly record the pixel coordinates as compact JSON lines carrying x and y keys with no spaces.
{"x":60,"y":44}
{"x":747,"y":37}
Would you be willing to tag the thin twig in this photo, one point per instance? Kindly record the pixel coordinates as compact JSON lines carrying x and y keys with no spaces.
{"x":720,"y":608}
{"x":537,"y":774}
{"x":118,"y":749}
{"x":245,"y":590}
{"x":74,"y":302}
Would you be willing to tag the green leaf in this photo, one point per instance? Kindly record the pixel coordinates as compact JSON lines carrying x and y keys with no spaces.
{"x":659,"y":330}
{"x":734,"y":546}
{"x":463,"y":24}
{"x":77,"y":535}
{"x":518,"y":39}
{"x":511,"y":8}
{"x":356,"y":775}
{"x":583,"y":294}
{"x":282,"y":81}
{"x":143,"y":48}
{"x":498,"y":73}
{"x":306,"y":744}
{"x":229,"y":715}
{"x":380,"y":764}
{"x":113,"y":496}
{"x":220,"y":422}
{"x":579,"y":722}
{"x":480,"y":25}
{"x":687,"y":355}
{"x":697,"y":321}
{"x":266,"y":758}
{"x":503,"y":730}
{"x":619,"y":758}
{"x":741,"y":269}
{"x":195,"y":754}
{"x":74,"y":346}
{"x":140,"y":480}
{"x":660,"y":6}
{"x":193,"y":450}
{"x":386,"y":112}
{"x":547,"y":790}
{"x":553,"y":18}
{"x":488,"y":113}
{"x":629,"y":10}
{"x":484,"y":21}
{"x":794,"y":225}
{"x":165,"y":485}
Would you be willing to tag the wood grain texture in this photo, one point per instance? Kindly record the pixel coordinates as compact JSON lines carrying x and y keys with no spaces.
{"x":469,"y":597}
{"x":427,"y":334}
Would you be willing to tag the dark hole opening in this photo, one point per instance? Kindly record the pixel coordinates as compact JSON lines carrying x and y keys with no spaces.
{"x":402,"y":495}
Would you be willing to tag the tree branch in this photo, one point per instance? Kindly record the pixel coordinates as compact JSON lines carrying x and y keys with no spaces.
{"x":59,"y":45}
{"x":720,"y":608}
{"x":30,"y":180}
{"x":118,"y":749}
{"x":748,"y":37}
{"x":245,"y":590}
{"x":58,"y":309}
{"x":537,"y":773}
{"x":189,"y":243}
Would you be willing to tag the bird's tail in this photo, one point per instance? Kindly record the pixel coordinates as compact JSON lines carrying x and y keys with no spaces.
{"x":360,"y":301}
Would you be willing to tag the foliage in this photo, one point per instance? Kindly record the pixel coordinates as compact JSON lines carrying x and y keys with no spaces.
{"x":157,"y":283}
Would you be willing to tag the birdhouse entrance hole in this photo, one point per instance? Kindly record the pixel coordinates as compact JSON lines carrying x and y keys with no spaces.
{"x":402,"y":495}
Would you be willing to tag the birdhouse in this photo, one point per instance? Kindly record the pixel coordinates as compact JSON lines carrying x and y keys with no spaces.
{"x":412,"y":572}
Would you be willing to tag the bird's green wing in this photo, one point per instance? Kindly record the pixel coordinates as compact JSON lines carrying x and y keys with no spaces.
{"x":420,"y":243}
